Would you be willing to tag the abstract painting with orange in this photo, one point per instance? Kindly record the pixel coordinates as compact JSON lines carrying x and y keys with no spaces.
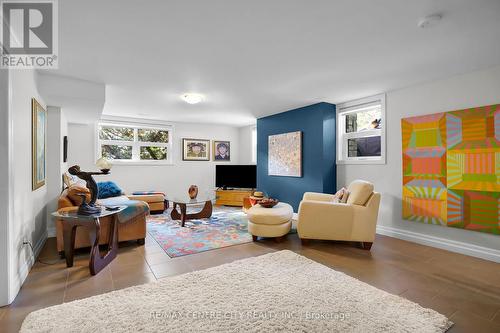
{"x":451,"y":168}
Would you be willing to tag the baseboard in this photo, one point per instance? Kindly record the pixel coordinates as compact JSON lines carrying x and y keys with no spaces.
{"x":441,"y":243}
{"x":25,"y":269}
{"x":39,"y":245}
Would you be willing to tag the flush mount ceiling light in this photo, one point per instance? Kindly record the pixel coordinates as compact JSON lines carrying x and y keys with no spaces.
{"x":192,"y":98}
{"x":429,"y":21}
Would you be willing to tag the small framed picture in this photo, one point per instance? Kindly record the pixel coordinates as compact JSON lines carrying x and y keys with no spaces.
{"x":222,"y":151}
{"x":195,"y":150}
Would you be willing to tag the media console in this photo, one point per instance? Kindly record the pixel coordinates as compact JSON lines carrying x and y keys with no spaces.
{"x":232,"y":197}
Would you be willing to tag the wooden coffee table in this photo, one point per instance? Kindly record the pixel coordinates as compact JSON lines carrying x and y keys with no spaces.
{"x":184,"y":201}
{"x":71,"y":219}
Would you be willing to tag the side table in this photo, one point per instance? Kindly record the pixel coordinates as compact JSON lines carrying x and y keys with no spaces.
{"x":71,"y":219}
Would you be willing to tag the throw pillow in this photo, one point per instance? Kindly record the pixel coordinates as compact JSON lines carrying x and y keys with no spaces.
{"x":108,"y":190}
{"x":73,"y":192}
{"x":339,"y":193}
{"x":345,"y":196}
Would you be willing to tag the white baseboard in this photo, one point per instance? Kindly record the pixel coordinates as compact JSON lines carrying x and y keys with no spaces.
{"x":441,"y":243}
{"x":26,"y":267}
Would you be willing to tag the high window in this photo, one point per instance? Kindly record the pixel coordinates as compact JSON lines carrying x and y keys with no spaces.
{"x":361,"y":131}
{"x":134,"y":143}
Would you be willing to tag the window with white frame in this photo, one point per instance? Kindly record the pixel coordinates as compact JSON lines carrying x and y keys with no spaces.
{"x":361,"y":131}
{"x":130,"y":142}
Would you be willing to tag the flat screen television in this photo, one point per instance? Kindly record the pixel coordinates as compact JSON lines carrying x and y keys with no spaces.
{"x":236,"y":176}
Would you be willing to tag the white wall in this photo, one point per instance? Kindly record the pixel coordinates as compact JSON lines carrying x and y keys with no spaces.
{"x":57,"y":128}
{"x":464,"y":91}
{"x":171,"y":179}
{"x":81,"y":100}
{"x":247,"y":149}
{"x":29,"y":216}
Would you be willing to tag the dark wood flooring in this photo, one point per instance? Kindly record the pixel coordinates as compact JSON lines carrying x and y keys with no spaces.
{"x":463,"y":288}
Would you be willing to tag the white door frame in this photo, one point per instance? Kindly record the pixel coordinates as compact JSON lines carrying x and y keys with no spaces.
{"x":5,"y":185}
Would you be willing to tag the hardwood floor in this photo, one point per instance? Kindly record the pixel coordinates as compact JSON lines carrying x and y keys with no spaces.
{"x":463,"y":288}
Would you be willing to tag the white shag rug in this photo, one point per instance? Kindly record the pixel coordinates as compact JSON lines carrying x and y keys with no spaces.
{"x":276,"y":292}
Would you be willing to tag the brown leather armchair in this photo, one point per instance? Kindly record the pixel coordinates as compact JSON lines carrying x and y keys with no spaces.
{"x":134,"y":229}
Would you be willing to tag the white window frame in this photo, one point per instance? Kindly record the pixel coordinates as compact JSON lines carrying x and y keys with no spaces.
{"x":136,"y":144}
{"x":342,"y":137}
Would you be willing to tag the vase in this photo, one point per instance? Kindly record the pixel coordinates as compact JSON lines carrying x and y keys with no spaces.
{"x":193,"y":191}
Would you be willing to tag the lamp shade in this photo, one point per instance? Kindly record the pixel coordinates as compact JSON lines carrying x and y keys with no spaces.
{"x":103,"y":164}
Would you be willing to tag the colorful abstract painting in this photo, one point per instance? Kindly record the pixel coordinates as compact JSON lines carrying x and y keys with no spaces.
{"x":451,"y":169}
{"x":285,"y":154}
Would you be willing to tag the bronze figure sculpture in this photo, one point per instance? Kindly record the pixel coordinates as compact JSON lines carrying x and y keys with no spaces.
{"x":87,"y":208}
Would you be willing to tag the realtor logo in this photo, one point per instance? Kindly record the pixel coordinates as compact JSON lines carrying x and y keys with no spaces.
{"x":29,"y":34}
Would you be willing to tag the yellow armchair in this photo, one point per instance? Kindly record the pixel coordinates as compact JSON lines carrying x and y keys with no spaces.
{"x":356,"y":220}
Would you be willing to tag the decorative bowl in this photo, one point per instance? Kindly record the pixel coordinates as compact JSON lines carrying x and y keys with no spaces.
{"x":268,"y":202}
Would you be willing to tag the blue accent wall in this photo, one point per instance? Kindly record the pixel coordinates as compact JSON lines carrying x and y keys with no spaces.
{"x":317,"y":123}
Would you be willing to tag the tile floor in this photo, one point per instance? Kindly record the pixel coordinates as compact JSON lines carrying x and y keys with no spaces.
{"x":464,"y":288}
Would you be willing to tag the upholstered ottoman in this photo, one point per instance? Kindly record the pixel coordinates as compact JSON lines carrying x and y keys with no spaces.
{"x":155,"y":200}
{"x":270,"y":222}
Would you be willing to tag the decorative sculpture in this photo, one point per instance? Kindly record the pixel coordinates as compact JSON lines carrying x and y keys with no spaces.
{"x":88,"y":208}
{"x":193,"y":191}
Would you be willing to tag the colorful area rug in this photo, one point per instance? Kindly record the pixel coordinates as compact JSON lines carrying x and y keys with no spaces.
{"x":226,"y":227}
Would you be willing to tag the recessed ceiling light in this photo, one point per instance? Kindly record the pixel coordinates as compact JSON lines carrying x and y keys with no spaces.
{"x":429,"y":21}
{"x":192,"y":98}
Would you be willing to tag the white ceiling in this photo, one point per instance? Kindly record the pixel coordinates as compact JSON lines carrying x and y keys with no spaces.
{"x":254,"y":58}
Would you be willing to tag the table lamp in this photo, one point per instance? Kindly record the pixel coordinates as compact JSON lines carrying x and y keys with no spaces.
{"x":104,"y":164}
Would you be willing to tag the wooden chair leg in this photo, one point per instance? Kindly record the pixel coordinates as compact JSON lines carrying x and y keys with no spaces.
{"x":366,"y":245}
{"x":254,"y":238}
{"x":304,"y":241}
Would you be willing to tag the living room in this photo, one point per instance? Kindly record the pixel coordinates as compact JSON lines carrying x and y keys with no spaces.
{"x":250,"y":166}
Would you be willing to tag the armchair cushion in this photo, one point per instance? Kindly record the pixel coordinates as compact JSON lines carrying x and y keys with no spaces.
{"x":313,"y":196}
{"x":359,"y":192}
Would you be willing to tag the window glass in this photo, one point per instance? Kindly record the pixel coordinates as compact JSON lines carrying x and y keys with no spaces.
{"x":153,"y":153}
{"x":363,"y":120}
{"x":367,"y":146}
{"x":134,"y":142}
{"x":116,"y":152}
{"x":116,"y":133}
{"x":152,"y":135}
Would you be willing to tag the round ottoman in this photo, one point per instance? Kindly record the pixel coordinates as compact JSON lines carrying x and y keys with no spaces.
{"x":270,"y":222}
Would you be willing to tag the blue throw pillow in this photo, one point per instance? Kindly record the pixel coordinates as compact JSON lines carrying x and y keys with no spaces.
{"x":108,"y":190}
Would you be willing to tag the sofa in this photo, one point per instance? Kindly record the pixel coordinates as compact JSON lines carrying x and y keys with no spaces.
{"x":321,"y":216}
{"x":133,"y":228}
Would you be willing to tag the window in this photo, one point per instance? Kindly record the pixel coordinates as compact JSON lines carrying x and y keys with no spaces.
{"x":129,"y":142}
{"x":361,"y":131}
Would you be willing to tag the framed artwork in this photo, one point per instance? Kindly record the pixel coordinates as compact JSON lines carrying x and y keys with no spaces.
{"x":451,"y":169}
{"x":38,"y":129}
{"x":285,"y":154}
{"x":222,"y":151}
{"x":195,"y":150}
